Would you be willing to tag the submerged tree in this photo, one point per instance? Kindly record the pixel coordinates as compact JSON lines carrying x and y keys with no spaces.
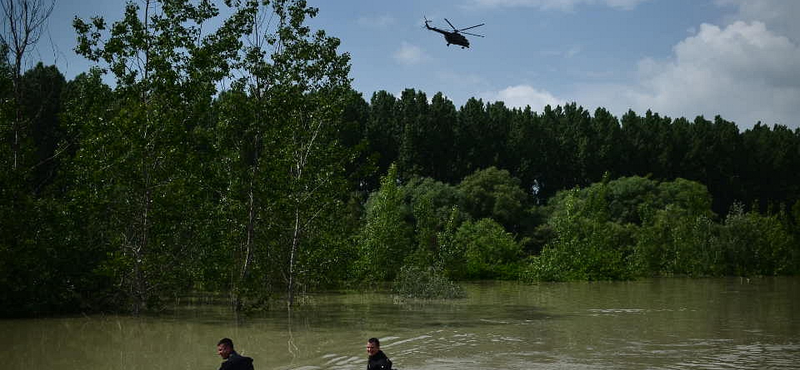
{"x":141,"y":158}
{"x":290,"y":173}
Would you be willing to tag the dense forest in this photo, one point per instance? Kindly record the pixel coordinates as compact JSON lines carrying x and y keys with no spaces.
{"x":241,"y":162}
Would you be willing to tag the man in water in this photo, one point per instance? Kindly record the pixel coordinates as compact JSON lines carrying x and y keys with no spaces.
{"x":233,"y":360}
{"x":377,"y":359}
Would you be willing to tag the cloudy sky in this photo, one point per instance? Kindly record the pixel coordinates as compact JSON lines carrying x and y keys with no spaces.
{"x":739,"y":59}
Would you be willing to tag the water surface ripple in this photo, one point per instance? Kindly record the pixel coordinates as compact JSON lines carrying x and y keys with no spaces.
{"x":650,"y":324}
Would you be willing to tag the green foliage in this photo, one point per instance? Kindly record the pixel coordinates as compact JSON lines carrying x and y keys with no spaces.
{"x":117,"y":198}
{"x":755,"y":244}
{"x":636,"y":227}
{"x":300,"y":90}
{"x":449,"y":256}
{"x":493,"y":193}
{"x":679,"y":241}
{"x":431,"y":203}
{"x":416,"y":282}
{"x":625,"y":227}
{"x":382,"y":133}
{"x":489,"y":251}
{"x":421,"y":224}
{"x":675,"y":241}
{"x":588,"y":246}
{"x":632,"y":200}
{"x":386,"y":238}
{"x":141,"y":157}
{"x":411,"y":111}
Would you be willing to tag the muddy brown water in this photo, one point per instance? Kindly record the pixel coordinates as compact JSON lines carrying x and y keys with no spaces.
{"x":670,"y":323}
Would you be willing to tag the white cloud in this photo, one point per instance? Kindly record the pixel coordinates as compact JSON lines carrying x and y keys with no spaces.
{"x":409,"y":54}
{"x":743,"y":72}
{"x":562,"y":5}
{"x":779,"y":15}
{"x":523,"y":95}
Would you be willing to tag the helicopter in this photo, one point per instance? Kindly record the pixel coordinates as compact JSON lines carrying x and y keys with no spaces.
{"x":454,"y":37}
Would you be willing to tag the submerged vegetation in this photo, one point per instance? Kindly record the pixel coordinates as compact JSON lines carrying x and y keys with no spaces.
{"x":415,"y":282}
{"x":255,"y":170}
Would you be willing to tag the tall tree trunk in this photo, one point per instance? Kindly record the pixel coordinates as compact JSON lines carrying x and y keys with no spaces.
{"x":293,"y":253}
{"x":23,"y":22}
{"x":249,"y":243}
{"x":140,"y":283}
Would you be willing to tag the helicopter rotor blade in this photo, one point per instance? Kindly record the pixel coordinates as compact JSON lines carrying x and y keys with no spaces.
{"x":469,"y":28}
{"x":451,"y":25}
{"x":472,"y":34}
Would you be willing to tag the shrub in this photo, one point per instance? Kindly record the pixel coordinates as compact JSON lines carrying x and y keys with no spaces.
{"x":487,"y":247}
{"x":415,"y":282}
{"x":755,"y":244}
{"x":674,"y":241}
{"x":587,"y":245}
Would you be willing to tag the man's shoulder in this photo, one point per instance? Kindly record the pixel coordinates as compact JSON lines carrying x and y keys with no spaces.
{"x":379,"y":361}
{"x":237,"y":362}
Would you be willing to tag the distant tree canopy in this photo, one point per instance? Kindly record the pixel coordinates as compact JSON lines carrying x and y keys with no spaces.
{"x":562,"y":147}
{"x":256,"y":171}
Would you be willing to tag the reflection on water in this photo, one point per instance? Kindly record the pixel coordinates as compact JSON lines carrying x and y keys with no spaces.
{"x":650,"y":324}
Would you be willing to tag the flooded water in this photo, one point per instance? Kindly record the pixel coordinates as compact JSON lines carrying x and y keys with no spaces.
{"x":648,"y":324}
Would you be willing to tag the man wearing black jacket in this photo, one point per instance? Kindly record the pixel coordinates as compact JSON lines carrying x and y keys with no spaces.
{"x":377,"y":359}
{"x":233,"y":360}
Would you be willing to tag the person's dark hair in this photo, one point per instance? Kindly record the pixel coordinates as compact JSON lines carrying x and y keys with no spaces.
{"x":226,"y":341}
{"x":375,"y":341}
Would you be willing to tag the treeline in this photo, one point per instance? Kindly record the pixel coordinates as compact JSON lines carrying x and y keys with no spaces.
{"x":122,"y":198}
{"x":563,"y":147}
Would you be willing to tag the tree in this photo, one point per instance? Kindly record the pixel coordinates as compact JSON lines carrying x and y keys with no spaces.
{"x":754,"y":244}
{"x":386,"y":238}
{"x":363,"y":170}
{"x":468,"y":144}
{"x":23,"y":23}
{"x":41,"y":106}
{"x":488,"y":249}
{"x":383,"y":132}
{"x":431,"y":203}
{"x":493,"y":193}
{"x":526,"y":149}
{"x":603,"y":146}
{"x":141,"y":159}
{"x":768,"y":173}
{"x":411,"y":111}
{"x":437,"y":154}
{"x":298,"y":91}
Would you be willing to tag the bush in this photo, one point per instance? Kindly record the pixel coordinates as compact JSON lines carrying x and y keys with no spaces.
{"x":599,"y":257}
{"x":386,"y":237}
{"x":587,"y":246}
{"x":675,"y":241}
{"x":755,"y":244}
{"x":415,"y":282}
{"x":488,"y":249}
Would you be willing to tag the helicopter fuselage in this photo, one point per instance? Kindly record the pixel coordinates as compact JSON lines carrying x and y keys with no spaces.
{"x":457,"y":39}
{"x":454,"y":38}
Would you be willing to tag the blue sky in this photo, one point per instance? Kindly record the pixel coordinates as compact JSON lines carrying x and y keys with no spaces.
{"x":680,"y":58}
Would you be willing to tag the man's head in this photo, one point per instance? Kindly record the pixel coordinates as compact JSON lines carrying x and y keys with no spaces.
{"x":225,"y":347}
{"x":373,"y":346}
